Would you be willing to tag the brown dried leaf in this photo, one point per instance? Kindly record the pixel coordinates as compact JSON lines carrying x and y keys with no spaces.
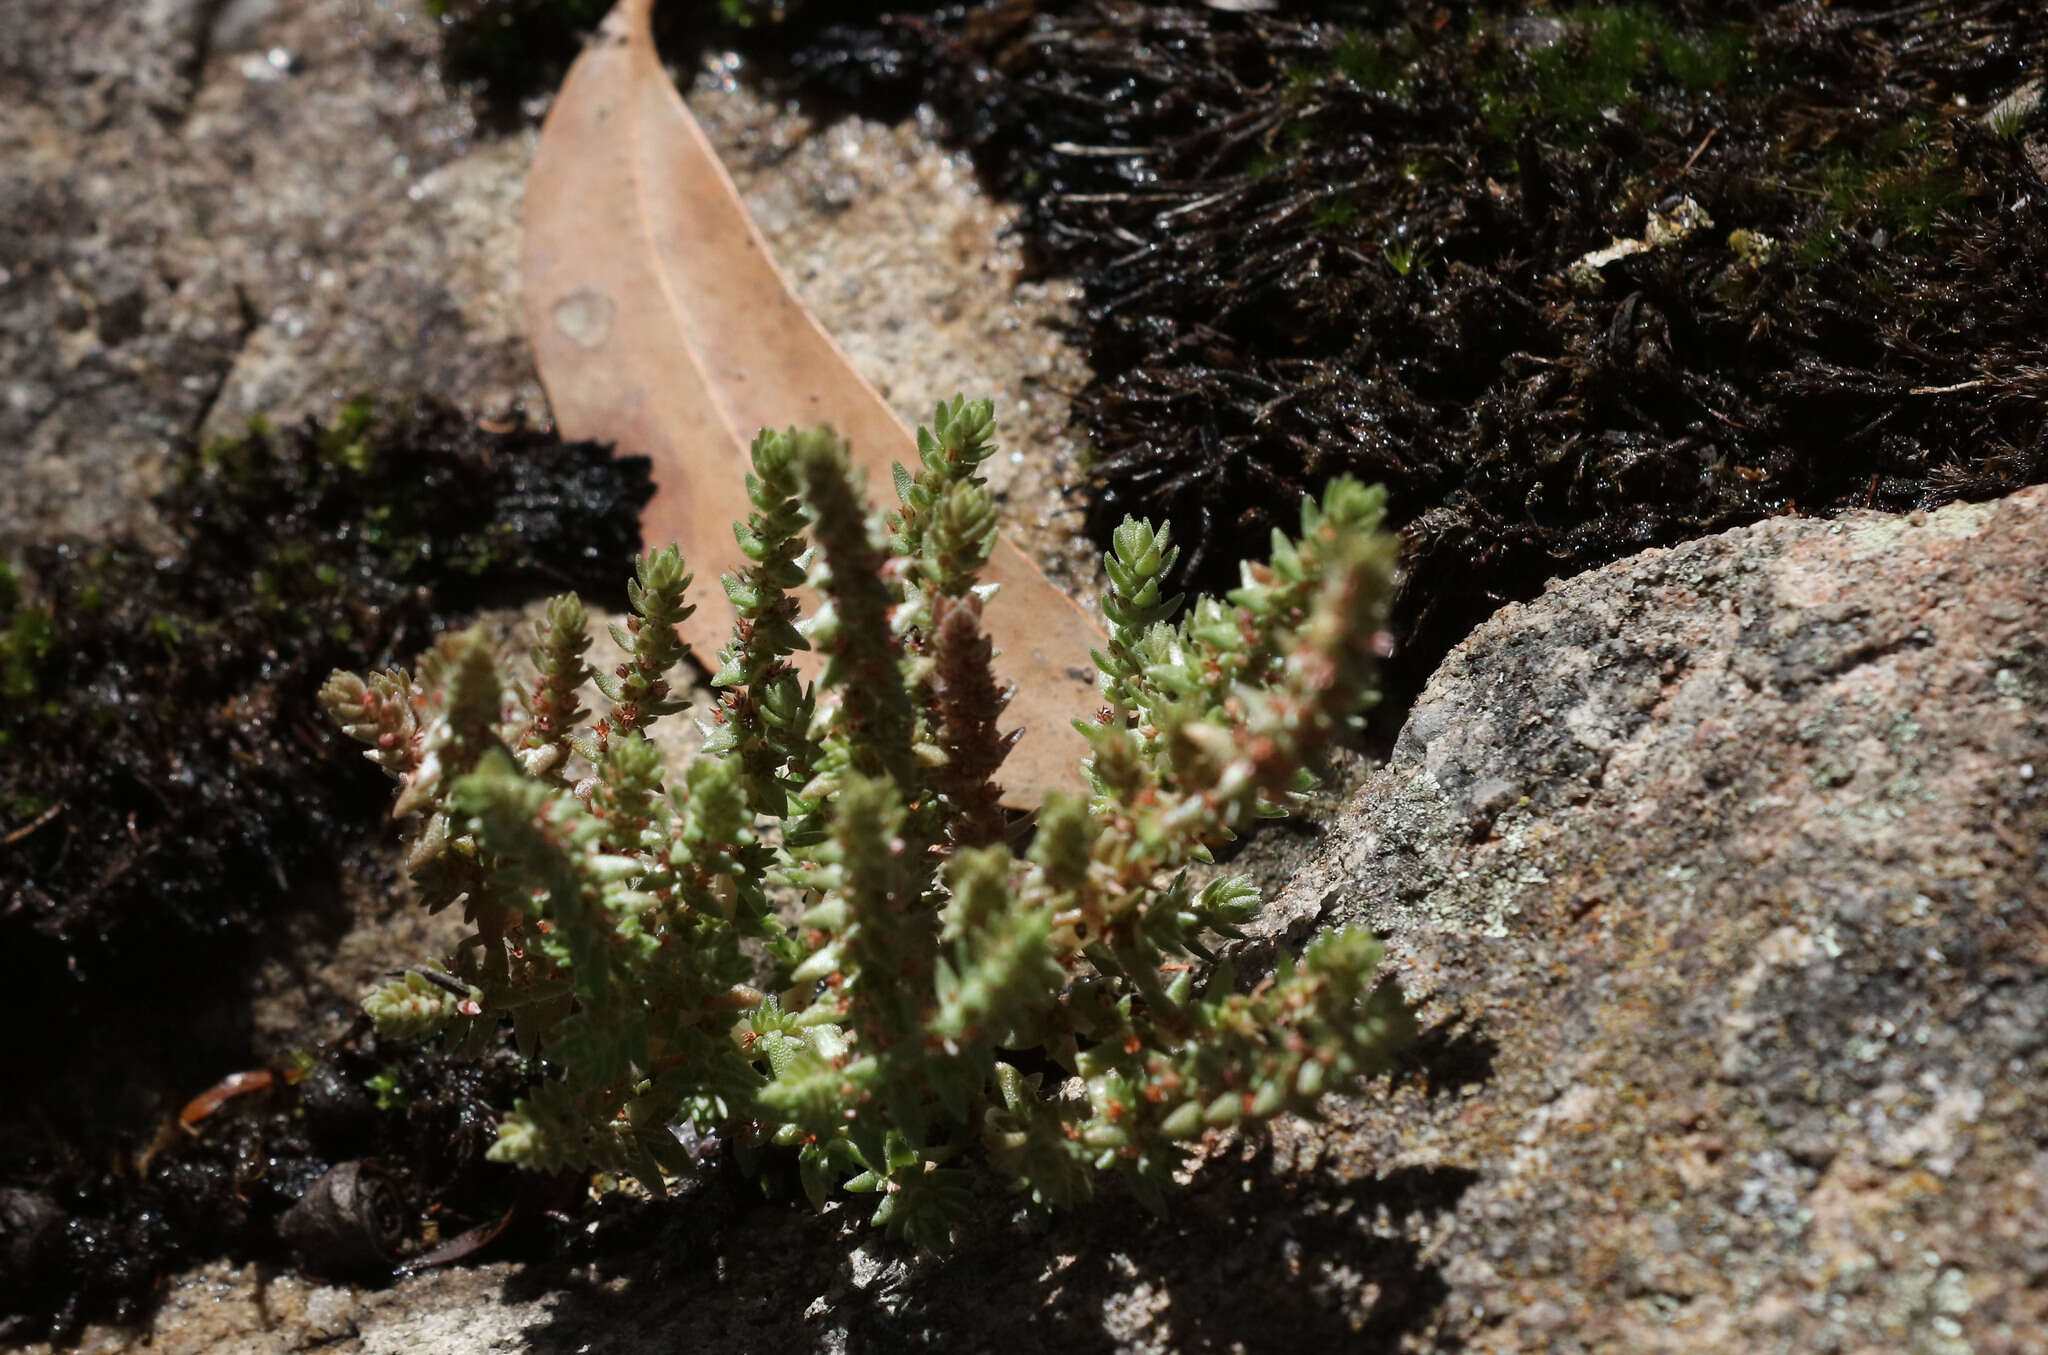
{"x":661,"y":323}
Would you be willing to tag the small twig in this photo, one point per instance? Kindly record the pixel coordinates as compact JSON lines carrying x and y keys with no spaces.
{"x":1115,"y":197}
{"x":1949,"y":390}
{"x":1069,"y":148}
{"x":463,"y":1244}
{"x":446,"y":982}
{"x":1689,"y":161}
{"x":18,"y":834}
{"x":1198,"y":204}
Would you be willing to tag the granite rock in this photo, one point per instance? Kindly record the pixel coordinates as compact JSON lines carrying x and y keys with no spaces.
{"x":1723,"y":873}
{"x":212,"y":209}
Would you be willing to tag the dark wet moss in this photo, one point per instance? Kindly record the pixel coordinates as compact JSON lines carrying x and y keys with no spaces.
{"x":173,"y":805}
{"x":93,"y":1239}
{"x":512,"y":50}
{"x":164,"y":702}
{"x":1356,"y":241}
{"x":514,"y":53}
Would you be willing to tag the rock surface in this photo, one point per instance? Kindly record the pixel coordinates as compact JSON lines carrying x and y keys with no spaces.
{"x":211,"y":210}
{"x":1727,"y":869}
{"x":214,"y":209}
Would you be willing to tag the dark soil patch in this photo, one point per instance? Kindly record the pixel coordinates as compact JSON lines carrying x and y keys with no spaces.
{"x":174,"y":806}
{"x":86,"y":1240}
{"x":1353,"y":244}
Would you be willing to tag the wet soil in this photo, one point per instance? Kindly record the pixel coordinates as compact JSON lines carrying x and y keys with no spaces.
{"x":175,"y":814}
{"x":1570,"y":280}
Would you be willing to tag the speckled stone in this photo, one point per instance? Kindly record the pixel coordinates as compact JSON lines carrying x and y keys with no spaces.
{"x":919,"y":279}
{"x":1725,"y":869}
{"x":217,"y":210}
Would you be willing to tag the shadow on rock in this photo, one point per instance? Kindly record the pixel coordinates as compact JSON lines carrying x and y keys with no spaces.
{"x":1449,"y":1056}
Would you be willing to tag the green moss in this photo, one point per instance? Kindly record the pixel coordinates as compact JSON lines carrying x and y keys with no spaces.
{"x":1903,"y":180}
{"x":1906,"y":198}
{"x":1817,"y":244}
{"x":26,"y":639}
{"x":385,"y":1086}
{"x":1335,"y":212}
{"x":1592,"y":69}
{"x":346,"y":441}
{"x":1599,"y":63}
{"x":1708,"y":60}
{"x":1379,"y":63}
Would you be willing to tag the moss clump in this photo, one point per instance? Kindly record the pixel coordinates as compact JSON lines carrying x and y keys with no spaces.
{"x":1903,"y":181}
{"x":170,"y":796}
{"x":1568,"y":74}
{"x":25,"y":643}
{"x":1358,"y":246}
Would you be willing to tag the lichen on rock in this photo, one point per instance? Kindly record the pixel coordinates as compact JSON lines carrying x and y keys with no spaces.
{"x":1730,"y":860}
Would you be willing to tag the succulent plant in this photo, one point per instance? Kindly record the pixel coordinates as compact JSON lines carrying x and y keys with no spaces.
{"x":824,"y":932}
